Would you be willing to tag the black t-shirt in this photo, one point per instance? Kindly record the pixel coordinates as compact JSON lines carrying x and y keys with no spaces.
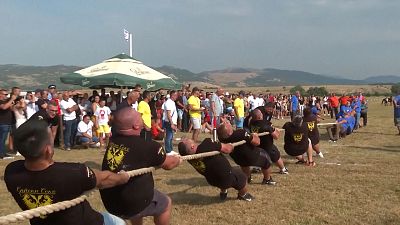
{"x":58,"y":182}
{"x":43,"y":115}
{"x":41,"y":102}
{"x":123,"y":104}
{"x":259,"y":126}
{"x":310,"y":122}
{"x":130,"y":153}
{"x":245,"y":154}
{"x":295,"y":137}
{"x":6,"y":115}
{"x":267,"y":116}
{"x":180,"y":100}
{"x":216,"y":169}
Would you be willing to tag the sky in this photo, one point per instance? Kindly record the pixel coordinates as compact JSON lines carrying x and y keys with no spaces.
{"x":346,"y":38}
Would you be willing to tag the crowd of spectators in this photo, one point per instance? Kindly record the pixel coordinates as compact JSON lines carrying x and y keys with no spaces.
{"x":86,"y":119}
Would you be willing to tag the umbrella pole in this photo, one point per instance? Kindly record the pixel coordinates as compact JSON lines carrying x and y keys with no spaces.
{"x":120,"y":96}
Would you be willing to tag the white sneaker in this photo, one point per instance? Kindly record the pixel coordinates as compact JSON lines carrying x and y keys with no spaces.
{"x":18,"y":154}
{"x":320,"y":155}
{"x":172,"y":153}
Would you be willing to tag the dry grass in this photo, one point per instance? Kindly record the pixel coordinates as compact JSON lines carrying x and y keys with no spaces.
{"x":364,"y":189}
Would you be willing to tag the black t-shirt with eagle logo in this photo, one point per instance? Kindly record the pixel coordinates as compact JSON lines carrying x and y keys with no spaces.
{"x":245,"y":154}
{"x":43,"y":115}
{"x":58,"y":182}
{"x":296,"y":138}
{"x":260,"y":126}
{"x":310,"y":122}
{"x":216,"y":169}
{"x":130,"y":153}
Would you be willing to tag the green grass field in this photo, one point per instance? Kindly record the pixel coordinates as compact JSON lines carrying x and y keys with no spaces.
{"x":363,"y":189}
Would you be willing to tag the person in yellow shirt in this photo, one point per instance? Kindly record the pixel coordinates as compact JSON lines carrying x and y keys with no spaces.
{"x":144,"y":110}
{"x":238,"y":105}
{"x":195,"y":112}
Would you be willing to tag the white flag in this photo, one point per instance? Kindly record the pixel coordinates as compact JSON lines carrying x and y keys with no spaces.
{"x":126,"y":35}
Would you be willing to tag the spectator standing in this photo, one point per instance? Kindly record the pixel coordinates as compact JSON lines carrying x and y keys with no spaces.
{"x":216,"y":108}
{"x":396,"y":107}
{"x":364,"y":111}
{"x":102,"y":118}
{"x":68,"y":107}
{"x":144,"y":110}
{"x":238,"y":105}
{"x":170,"y":120}
{"x":6,"y":117}
{"x":180,"y":108}
{"x":294,"y":104}
{"x":31,"y":107}
{"x":195,"y":113}
{"x":334,"y":105}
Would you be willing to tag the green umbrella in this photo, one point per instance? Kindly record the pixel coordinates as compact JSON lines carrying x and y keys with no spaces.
{"x":120,"y":71}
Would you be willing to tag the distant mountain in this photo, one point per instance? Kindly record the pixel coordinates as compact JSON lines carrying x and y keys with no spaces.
{"x":384,"y":79}
{"x":32,"y":77}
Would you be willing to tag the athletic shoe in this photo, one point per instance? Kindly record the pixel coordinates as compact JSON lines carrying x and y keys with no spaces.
{"x":284,"y":171}
{"x":68,"y":149}
{"x":249,"y":179}
{"x":18,"y":154}
{"x":223,"y":195}
{"x":172,"y":153}
{"x":320,"y":155}
{"x":6,"y":156}
{"x":246,"y":197}
{"x":269,"y":181}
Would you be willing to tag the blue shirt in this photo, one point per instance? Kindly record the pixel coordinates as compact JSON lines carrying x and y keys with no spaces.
{"x":314,"y":110}
{"x":345,"y":110}
{"x":344,"y":125}
{"x":295,"y":103}
{"x":351,"y":121}
{"x":357,"y":105}
{"x":397,"y":109}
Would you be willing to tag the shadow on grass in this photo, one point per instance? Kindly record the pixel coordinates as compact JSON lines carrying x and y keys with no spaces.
{"x":396,"y":149}
{"x":193,"y":182}
{"x":369,"y":132}
{"x":184,"y":198}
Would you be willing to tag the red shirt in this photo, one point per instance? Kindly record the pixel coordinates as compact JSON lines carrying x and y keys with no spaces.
{"x":334,"y":101}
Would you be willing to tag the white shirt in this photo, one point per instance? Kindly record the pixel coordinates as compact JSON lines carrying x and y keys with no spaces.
{"x":31,"y":109}
{"x":102,"y":114}
{"x":135,"y":105}
{"x":170,"y":105}
{"x":260,"y":102}
{"x":85,"y":128}
{"x":64,"y":105}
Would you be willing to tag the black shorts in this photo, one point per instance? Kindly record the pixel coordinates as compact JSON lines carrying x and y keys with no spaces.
{"x":263,"y":161}
{"x":273,"y":153}
{"x":296,"y":150}
{"x":156,"y":207}
{"x":237,"y":180}
{"x":314,"y":140}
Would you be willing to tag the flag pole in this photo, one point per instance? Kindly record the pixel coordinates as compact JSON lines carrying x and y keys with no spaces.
{"x":130,"y":45}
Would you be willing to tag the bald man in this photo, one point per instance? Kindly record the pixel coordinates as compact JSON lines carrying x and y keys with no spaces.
{"x":259,"y":125}
{"x":128,"y":151}
{"x":216,"y":169}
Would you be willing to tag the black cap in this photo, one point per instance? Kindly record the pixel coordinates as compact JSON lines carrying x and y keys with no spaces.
{"x":51,"y":86}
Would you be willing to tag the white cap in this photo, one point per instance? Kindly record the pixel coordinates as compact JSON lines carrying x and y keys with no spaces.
{"x":227,"y":93}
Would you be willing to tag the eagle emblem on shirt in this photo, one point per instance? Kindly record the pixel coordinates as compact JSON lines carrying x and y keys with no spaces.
{"x":310,"y":126}
{"x":115,"y":155}
{"x":297,"y":137}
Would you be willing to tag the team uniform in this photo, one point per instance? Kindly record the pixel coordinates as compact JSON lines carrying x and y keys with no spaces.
{"x":310,"y":122}
{"x":296,"y":139}
{"x":247,"y":154}
{"x":43,"y":115}
{"x":216,"y":169}
{"x":267,"y":141}
{"x":137,"y":198}
{"x":32,"y":189}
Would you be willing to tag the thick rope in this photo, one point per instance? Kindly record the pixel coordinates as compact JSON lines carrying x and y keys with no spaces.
{"x":59,"y":206}
{"x":325,"y":124}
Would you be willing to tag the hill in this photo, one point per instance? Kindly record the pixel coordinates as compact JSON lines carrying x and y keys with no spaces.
{"x":32,"y":77}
